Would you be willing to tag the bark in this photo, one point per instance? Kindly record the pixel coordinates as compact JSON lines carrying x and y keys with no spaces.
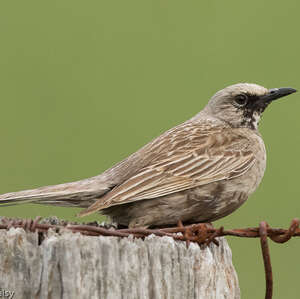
{"x":69,"y":265}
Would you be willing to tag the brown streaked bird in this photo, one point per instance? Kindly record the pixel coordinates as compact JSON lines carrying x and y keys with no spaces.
{"x":198,"y":171}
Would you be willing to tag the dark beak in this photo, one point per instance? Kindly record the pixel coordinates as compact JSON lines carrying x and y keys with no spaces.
{"x":276,"y":93}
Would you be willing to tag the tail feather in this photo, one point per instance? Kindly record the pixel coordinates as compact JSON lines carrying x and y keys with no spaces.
{"x":76,"y":194}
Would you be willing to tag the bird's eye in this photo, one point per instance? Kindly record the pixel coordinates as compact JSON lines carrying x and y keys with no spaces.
{"x":241,"y":100}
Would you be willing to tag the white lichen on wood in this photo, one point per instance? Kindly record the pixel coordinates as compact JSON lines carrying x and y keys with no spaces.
{"x":69,"y":265}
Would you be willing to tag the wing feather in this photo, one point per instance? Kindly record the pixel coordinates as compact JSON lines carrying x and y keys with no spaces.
{"x":177,"y":173}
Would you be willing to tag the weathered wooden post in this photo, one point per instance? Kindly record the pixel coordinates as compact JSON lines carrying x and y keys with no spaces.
{"x":70,"y":265}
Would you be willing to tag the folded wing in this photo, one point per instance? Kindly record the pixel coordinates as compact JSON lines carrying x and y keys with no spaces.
{"x":195,"y":167}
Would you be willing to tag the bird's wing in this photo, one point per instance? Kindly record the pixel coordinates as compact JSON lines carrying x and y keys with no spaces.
{"x":220,"y":157}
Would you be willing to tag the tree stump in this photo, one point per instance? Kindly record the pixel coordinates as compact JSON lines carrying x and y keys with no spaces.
{"x":70,"y":265}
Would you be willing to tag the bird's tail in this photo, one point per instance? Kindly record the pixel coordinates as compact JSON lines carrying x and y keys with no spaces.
{"x":76,"y":194}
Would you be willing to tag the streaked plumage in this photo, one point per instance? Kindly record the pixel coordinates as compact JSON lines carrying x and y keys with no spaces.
{"x":199,"y":171}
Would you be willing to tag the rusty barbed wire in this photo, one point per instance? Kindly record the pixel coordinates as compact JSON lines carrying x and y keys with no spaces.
{"x":201,"y":233}
{"x":263,"y":232}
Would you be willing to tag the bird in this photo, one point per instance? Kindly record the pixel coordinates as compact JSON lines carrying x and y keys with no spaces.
{"x":198,"y":171}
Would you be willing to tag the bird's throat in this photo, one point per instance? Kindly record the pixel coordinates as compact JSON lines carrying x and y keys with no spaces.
{"x":251,"y":119}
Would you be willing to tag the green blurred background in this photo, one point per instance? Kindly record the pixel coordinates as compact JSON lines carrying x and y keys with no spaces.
{"x":85,"y":83}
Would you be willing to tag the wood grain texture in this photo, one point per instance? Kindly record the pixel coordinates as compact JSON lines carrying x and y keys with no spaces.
{"x":70,"y":265}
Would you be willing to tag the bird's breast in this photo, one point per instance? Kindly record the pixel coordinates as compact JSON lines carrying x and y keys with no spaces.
{"x":258,"y":169}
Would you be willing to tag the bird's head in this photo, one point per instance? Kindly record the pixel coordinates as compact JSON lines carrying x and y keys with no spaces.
{"x":241,"y":105}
